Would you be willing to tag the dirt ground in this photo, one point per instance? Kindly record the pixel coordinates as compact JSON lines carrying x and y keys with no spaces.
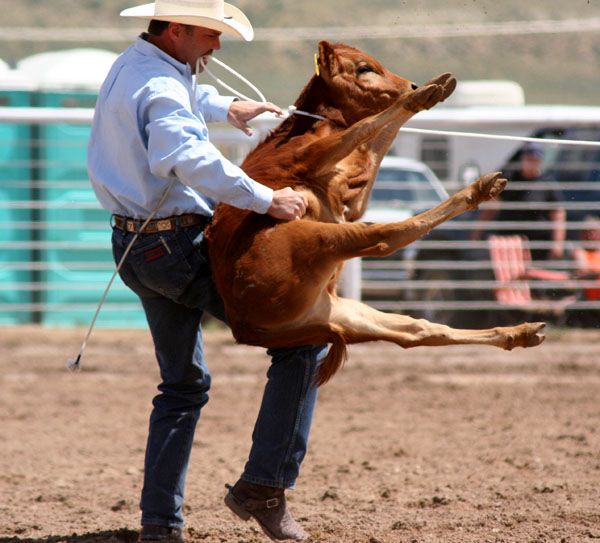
{"x":460,"y":444}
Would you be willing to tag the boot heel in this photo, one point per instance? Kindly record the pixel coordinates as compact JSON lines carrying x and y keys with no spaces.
{"x":235,"y":507}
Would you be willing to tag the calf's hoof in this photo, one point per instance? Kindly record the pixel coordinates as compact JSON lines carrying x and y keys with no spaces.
{"x":448,"y":83}
{"x":525,"y":335}
{"x":487,"y":187}
{"x":424,"y":98}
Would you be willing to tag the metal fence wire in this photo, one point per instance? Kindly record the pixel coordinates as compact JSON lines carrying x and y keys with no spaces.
{"x":55,"y":256}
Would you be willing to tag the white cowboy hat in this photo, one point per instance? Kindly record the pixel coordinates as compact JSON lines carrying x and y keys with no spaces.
{"x":214,"y":14}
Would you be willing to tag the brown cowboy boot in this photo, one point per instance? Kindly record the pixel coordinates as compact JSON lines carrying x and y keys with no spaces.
{"x":268,"y":507}
{"x":152,"y":533}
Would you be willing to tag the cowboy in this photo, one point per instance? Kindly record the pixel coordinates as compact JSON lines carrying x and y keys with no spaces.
{"x":150,"y":133}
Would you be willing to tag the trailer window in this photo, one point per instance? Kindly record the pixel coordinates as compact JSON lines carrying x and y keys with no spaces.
{"x":435,"y":152}
{"x":394,"y":186}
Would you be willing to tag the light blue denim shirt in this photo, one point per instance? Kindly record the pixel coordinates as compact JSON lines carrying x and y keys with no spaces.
{"x":148,"y":128}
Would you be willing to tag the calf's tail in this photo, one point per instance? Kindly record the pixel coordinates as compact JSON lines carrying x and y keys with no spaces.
{"x":337,"y":355}
{"x":311,"y":335}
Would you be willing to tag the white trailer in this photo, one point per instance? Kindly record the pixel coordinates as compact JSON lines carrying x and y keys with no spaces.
{"x":455,"y":158}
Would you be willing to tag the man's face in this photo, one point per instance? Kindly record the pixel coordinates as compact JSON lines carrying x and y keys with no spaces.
{"x":531,"y":166}
{"x":193,"y":42}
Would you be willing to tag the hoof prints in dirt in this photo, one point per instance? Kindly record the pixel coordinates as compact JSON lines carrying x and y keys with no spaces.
{"x":481,"y":445}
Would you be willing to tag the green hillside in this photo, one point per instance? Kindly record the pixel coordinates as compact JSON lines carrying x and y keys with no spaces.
{"x":553,"y":68}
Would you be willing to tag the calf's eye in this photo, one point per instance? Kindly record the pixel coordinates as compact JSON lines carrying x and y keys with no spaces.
{"x":363,"y":69}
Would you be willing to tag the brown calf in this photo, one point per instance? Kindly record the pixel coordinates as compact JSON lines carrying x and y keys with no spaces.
{"x":278,"y":279}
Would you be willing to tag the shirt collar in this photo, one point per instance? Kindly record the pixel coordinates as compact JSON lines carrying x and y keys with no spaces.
{"x":144,"y":47}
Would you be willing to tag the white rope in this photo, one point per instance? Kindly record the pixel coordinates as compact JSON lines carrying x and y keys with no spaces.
{"x":582,"y":143}
{"x":292,"y":110}
{"x":260,"y":95}
{"x":74,"y":364}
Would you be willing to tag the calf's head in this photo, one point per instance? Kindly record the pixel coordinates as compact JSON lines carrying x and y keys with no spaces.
{"x":357,"y":84}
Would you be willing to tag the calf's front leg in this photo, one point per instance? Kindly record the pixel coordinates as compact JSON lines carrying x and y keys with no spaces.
{"x":350,"y":240}
{"x":398,"y":235}
{"x":321,"y":156}
{"x":378,"y":146}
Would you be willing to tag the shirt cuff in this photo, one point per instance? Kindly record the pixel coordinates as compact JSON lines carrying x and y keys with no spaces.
{"x":219,"y":107}
{"x":263,"y":198}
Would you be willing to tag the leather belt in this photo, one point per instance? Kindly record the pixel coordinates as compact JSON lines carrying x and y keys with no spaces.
{"x":167,"y":224}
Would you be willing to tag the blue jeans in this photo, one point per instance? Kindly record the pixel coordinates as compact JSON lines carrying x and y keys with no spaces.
{"x":170,"y":273}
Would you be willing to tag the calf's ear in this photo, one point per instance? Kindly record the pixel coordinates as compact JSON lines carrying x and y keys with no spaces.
{"x":327,"y":59}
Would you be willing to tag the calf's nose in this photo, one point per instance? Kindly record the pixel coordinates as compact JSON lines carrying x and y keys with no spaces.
{"x":414,"y":86}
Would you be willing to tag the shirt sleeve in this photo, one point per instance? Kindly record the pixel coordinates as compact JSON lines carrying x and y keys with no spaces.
{"x":178,"y":146}
{"x":212,"y":105}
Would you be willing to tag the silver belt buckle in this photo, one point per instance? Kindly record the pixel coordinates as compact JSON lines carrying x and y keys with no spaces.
{"x":162,"y":225}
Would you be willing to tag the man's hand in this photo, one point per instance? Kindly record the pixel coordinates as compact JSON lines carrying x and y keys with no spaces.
{"x":241,"y":112}
{"x":287,"y":204}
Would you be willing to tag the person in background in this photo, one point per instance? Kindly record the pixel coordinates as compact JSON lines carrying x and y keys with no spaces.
{"x":533,"y":205}
{"x":587,"y":256}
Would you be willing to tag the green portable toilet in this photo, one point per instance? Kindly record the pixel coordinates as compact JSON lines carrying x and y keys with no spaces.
{"x":76,"y":241}
{"x":15,"y":193}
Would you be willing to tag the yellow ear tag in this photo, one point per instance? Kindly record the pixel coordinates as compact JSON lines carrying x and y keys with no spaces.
{"x":317,"y":70}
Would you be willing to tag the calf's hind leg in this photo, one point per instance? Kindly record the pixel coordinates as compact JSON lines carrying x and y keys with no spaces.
{"x":342,"y":321}
{"x":359,"y":323}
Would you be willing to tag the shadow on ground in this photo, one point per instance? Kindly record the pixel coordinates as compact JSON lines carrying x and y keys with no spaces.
{"x":109,"y":536}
